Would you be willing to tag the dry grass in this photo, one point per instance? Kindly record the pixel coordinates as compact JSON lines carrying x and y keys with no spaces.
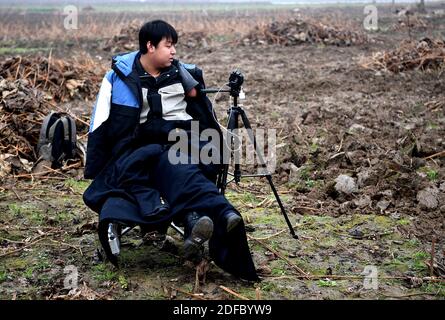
{"x":48,"y":27}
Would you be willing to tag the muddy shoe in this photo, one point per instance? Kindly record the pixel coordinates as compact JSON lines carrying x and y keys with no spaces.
{"x":197,"y":230}
{"x":231,"y":220}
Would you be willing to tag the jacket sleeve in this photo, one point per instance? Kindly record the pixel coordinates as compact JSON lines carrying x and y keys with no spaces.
{"x":98,"y":148}
{"x":187,"y":80}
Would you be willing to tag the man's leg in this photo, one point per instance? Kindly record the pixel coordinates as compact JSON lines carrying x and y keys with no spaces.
{"x":186,"y":189}
{"x":193,"y":199}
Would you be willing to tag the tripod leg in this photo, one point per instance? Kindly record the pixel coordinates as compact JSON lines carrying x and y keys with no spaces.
{"x":232,"y":125}
{"x":283,"y":211}
{"x":268,"y":175}
{"x":252,"y":139}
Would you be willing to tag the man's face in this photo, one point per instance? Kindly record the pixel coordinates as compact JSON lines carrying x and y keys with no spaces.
{"x":162,"y":55}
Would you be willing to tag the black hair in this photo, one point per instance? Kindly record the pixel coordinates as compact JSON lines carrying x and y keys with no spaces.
{"x":154,"y":31}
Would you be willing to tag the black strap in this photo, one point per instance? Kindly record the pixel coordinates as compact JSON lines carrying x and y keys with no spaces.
{"x":52,"y":129}
{"x":155,"y":103}
{"x":44,"y":131}
{"x":66,"y":128}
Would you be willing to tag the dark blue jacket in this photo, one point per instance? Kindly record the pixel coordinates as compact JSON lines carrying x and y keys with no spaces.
{"x":116,"y":114}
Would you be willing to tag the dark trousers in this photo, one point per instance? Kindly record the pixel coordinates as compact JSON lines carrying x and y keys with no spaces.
{"x":187,"y":189}
{"x":130,"y":189}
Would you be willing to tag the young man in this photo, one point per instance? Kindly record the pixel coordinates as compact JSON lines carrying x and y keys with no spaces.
{"x":145,"y":96}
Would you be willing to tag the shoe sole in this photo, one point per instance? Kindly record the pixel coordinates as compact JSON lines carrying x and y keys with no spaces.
{"x":201,"y":232}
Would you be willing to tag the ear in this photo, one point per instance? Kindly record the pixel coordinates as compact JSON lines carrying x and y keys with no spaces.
{"x":150,"y":48}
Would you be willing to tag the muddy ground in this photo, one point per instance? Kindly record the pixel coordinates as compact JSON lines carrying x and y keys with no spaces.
{"x":333,"y":119}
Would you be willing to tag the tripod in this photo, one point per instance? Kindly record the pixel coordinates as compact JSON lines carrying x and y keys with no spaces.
{"x":235,"y":111}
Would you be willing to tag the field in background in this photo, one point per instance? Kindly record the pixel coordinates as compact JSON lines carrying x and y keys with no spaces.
{"x":337,"y":108}
{"x":175,"y":7}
